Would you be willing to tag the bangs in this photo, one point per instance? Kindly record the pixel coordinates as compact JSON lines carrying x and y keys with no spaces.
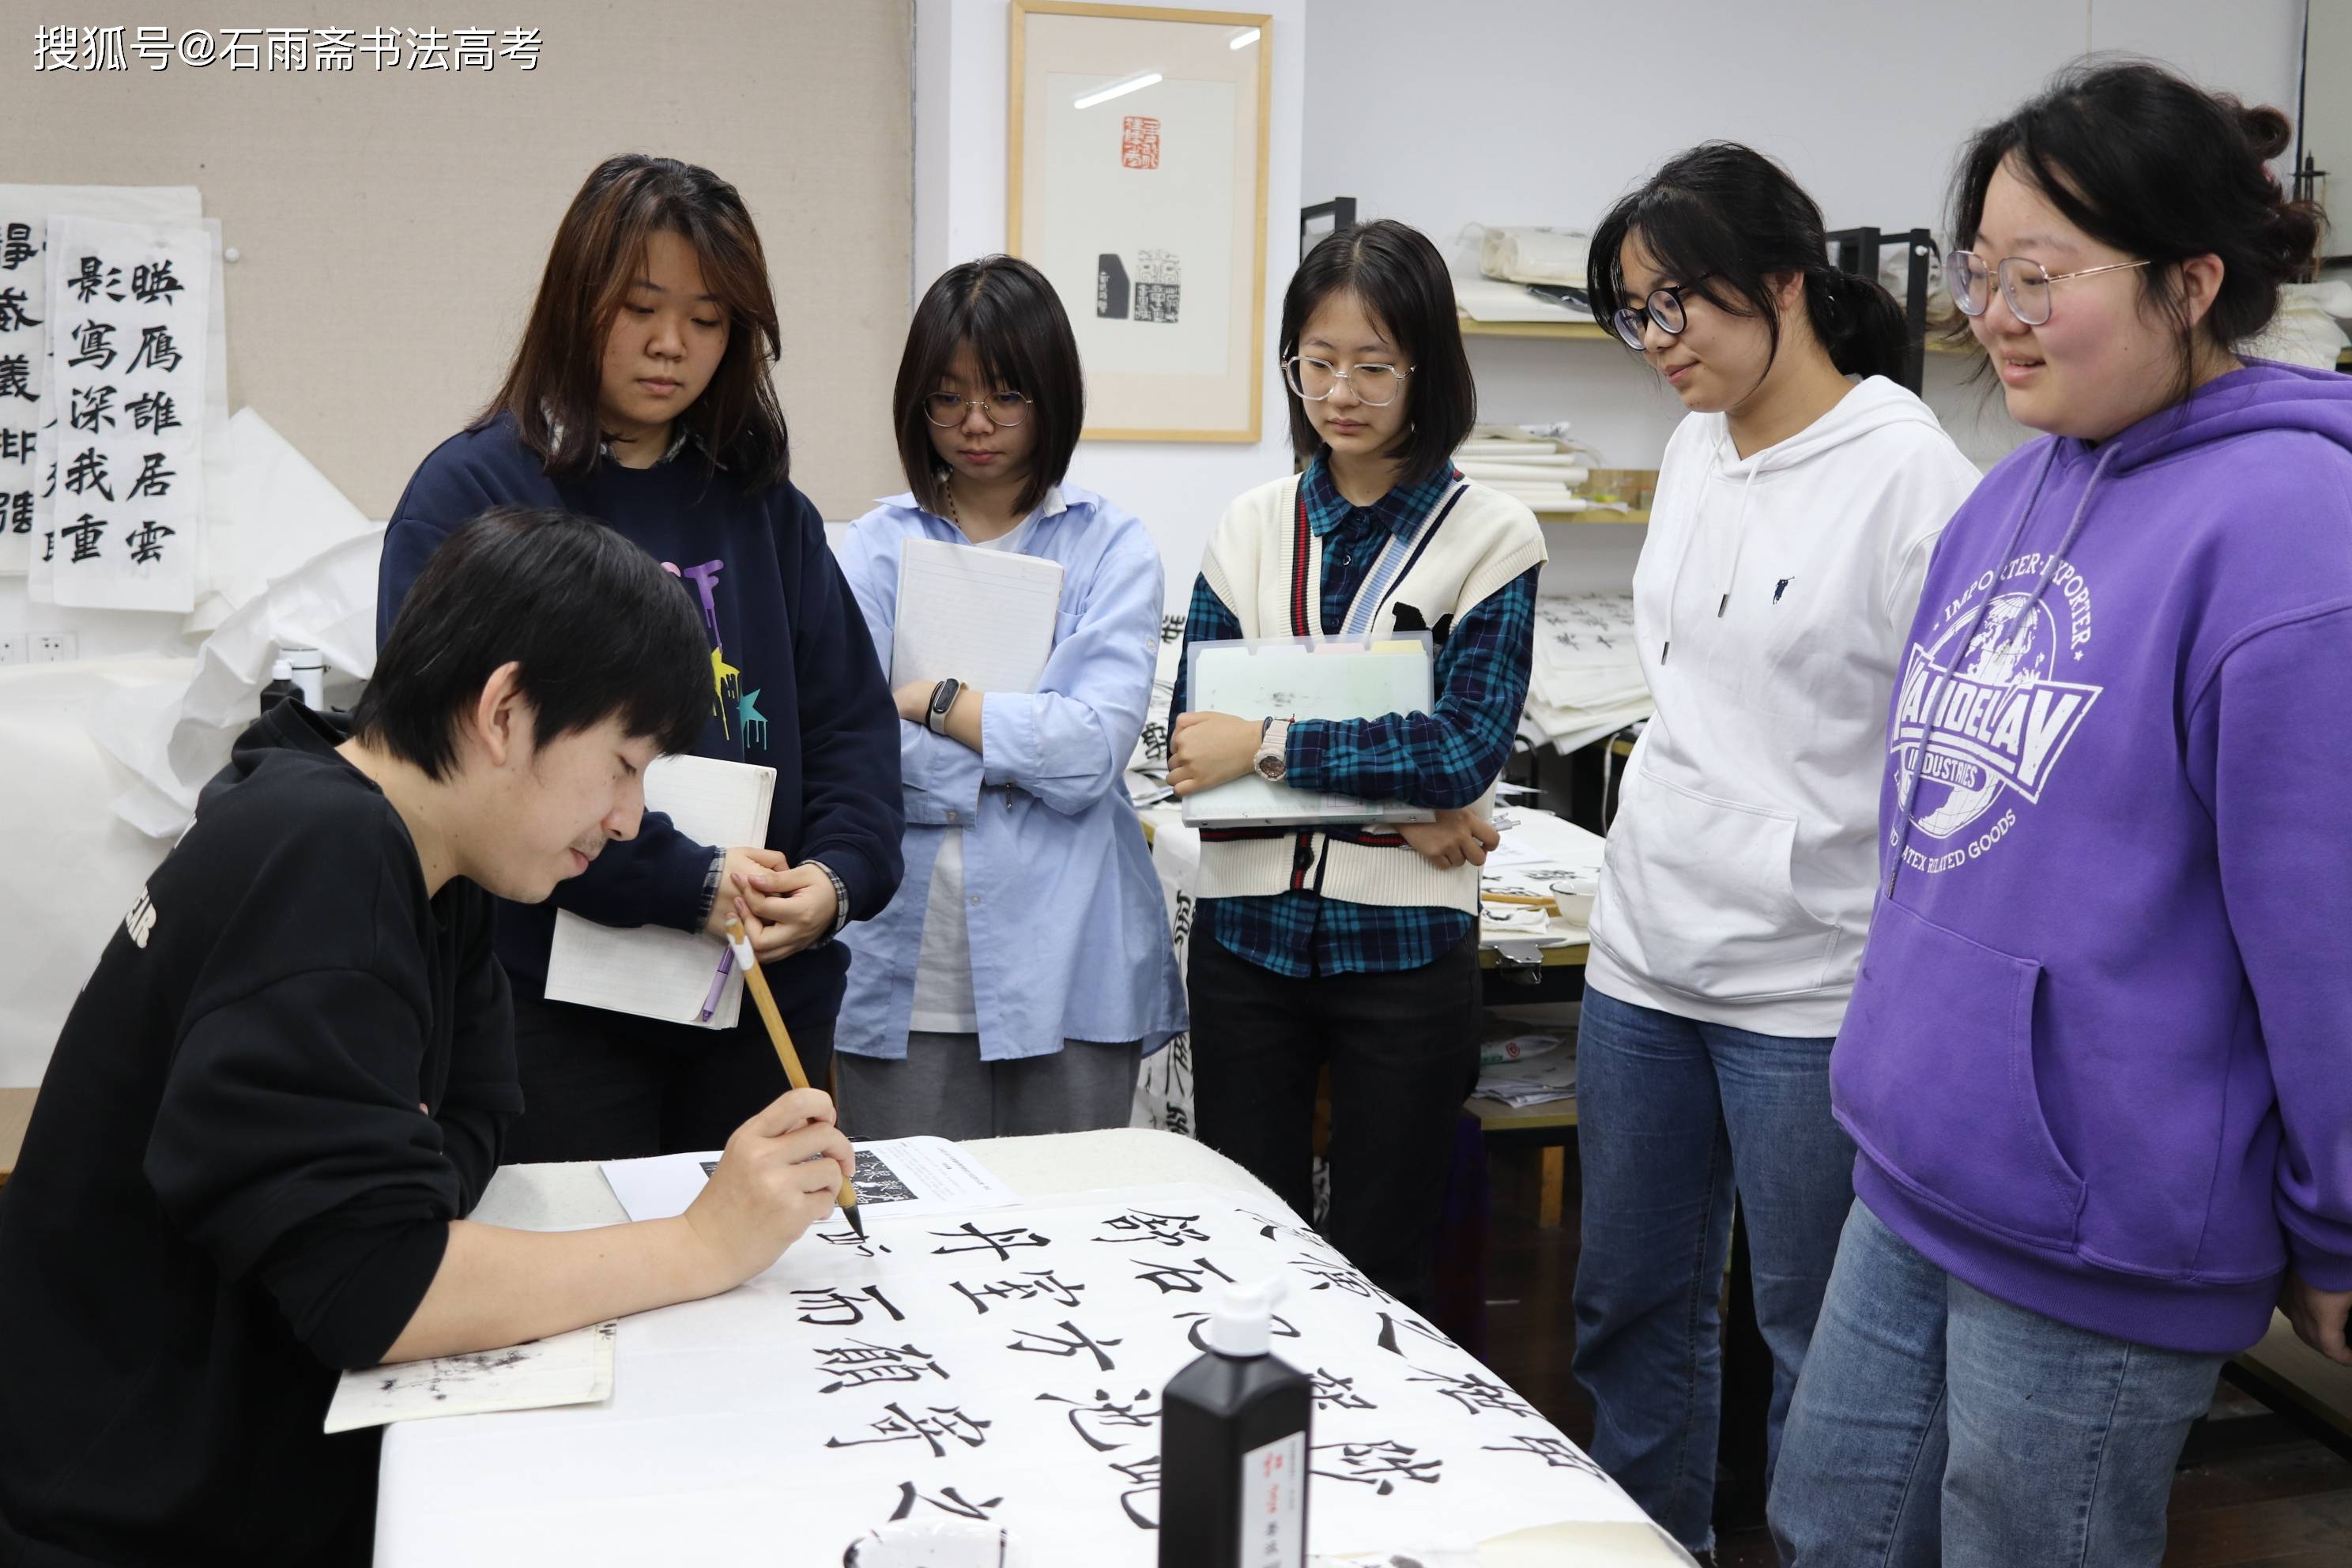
{"x":1004,"y":345}
{"x":1400,"y":279}
{"x":1689,"y":241}
{"x":551,"y":389}
{"x":1014,"y":322}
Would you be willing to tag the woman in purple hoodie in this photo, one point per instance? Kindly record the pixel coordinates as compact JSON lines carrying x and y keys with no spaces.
{"x":2098,"y":1064}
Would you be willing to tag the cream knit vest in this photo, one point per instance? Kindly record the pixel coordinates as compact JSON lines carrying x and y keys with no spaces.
{"x":1266,"y":564}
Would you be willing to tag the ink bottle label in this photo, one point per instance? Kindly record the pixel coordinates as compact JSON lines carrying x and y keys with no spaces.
{"x":1273,"y":1516}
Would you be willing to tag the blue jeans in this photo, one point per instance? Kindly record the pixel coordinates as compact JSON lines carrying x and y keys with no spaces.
{"x":1937,"y":1424}
{"x":1673,"y":1116}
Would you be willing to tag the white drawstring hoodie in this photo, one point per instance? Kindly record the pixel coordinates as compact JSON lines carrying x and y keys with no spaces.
{"x":1772,"y":602}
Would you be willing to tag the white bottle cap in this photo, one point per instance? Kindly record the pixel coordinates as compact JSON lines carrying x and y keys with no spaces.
{"x":309,"y":668}
{"x":281,"y":670}
{"x":1242,"y":1324}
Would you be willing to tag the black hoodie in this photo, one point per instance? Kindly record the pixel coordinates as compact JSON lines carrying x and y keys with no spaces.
{"x":228,"y":1191}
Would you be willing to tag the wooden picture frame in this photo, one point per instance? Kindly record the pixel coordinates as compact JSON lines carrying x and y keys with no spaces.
{"x":1136,"y":181}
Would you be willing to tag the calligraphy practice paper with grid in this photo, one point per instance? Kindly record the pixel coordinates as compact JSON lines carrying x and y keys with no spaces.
{"x":1005,"y":1365}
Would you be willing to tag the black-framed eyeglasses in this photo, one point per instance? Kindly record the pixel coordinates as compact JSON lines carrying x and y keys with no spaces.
{"x":2024,"y":284}
{"x":1664,"y":306}
{"x":1005,"y":410}
{"x":1375,"y":386}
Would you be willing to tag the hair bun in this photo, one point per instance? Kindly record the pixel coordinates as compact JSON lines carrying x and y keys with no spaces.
{"x":2267,"y":130}
{"x":2293,"y":231}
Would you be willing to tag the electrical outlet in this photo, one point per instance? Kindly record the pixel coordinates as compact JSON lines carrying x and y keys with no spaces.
{"x":11,"y":650}
{"x":53,"y":648}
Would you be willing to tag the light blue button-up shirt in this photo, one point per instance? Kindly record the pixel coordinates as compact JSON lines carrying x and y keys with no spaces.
{"x":1068,"y":933}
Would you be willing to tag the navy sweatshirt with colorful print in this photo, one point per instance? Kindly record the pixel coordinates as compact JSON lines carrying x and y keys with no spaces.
{"x":794,"y":684}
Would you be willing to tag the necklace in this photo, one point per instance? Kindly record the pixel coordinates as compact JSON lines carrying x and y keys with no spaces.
{"x":947,"y":495}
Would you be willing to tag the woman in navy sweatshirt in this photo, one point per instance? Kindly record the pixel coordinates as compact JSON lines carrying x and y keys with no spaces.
{"x":640,"y":396}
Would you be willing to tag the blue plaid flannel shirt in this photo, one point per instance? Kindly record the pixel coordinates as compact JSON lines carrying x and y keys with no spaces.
{"x":1443,"y":758}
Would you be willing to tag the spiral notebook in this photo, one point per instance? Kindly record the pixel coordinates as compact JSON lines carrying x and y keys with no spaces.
{"x":651,"y":971}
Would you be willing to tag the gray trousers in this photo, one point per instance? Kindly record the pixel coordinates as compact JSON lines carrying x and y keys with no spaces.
{"x":944,"y":1090}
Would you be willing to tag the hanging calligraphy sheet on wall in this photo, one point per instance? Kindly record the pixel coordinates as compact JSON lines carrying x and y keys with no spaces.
{"x":128,"y":311}
{"x":26,"y":488}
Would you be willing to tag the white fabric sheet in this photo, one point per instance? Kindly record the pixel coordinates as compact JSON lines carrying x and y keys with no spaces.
{"x":73,"y":867}
{"x":173,"y":739}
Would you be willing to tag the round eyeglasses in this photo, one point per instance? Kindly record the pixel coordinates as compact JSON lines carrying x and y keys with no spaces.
{"x":1375,"y":386}
{"x":1664,"y":306}
{"x":1005,"y":410}
{"x":2025,"y":284}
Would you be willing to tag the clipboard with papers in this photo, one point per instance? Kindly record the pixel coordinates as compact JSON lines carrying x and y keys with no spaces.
{"x":1306,"y":678}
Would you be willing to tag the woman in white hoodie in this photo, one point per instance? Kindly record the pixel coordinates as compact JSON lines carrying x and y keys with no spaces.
{"x":1796,"y":510}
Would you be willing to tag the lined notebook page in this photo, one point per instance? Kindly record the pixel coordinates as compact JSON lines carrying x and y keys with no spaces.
{"x":984,"y":617}
{"x":649,"y":970}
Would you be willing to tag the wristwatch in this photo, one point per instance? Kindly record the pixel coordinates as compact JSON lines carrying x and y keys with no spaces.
{"x":1273,"y":754}
{"x":943,"y":698}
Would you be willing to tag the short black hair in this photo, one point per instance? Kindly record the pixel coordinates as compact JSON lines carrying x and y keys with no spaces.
{"x":1013,"y":321}
{"x":2152,"y":164}
{"x":598,"y":625}
{"x":1723,"y":220}
{"x":1403,"y":282}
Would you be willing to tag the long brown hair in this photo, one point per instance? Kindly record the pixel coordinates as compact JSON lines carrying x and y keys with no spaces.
{"x":553,"y":388}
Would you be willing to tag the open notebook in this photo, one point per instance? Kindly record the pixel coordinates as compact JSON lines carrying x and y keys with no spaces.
{"x":648,"y":969}
{"x":984,"y":617}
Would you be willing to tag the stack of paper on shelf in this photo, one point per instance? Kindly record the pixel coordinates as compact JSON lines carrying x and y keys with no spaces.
{"x":1537,"y":471}
{"x":1523,"y":1066}
{"x":1522,"y":1084}
{"x":1524,"y":254}
{"x":1494,"y":300}
{"x":1586,"y":682}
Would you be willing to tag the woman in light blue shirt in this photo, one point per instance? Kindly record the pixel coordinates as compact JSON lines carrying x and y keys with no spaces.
{"x":1024,"y":968}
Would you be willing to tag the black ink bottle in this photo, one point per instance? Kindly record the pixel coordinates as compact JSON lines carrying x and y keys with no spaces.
{"x":281,"y":686}
{"x":1234,"y":1439}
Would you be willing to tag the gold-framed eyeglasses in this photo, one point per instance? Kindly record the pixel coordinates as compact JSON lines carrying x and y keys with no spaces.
{"x":1004,"y":410}
{"x":1375,"y":386}
{"x":2024,"y":284}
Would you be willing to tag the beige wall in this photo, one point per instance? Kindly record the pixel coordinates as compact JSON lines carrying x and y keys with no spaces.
{"x":392,"y":225}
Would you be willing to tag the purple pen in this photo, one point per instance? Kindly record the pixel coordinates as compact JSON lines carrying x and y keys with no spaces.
{"x":717,"y":986}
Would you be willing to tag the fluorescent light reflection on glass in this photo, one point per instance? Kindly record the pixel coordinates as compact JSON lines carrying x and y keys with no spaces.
{"x":1242,"y":39}
{"x":1115,"y":90}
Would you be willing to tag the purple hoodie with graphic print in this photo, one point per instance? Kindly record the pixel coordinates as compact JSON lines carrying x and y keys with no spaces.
{"x":2099,"y":1058}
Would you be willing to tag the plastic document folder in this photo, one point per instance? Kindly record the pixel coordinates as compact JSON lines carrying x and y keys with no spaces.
{"x":1295,"y":677}
{"x":653,"y":971}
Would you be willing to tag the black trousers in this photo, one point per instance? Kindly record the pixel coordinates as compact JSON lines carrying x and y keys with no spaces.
{"x":1403,"y":1053}
{"x":599,"y":1085}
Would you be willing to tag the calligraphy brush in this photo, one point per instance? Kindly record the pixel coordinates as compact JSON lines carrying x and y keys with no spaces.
{"x":766,"y":1001}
